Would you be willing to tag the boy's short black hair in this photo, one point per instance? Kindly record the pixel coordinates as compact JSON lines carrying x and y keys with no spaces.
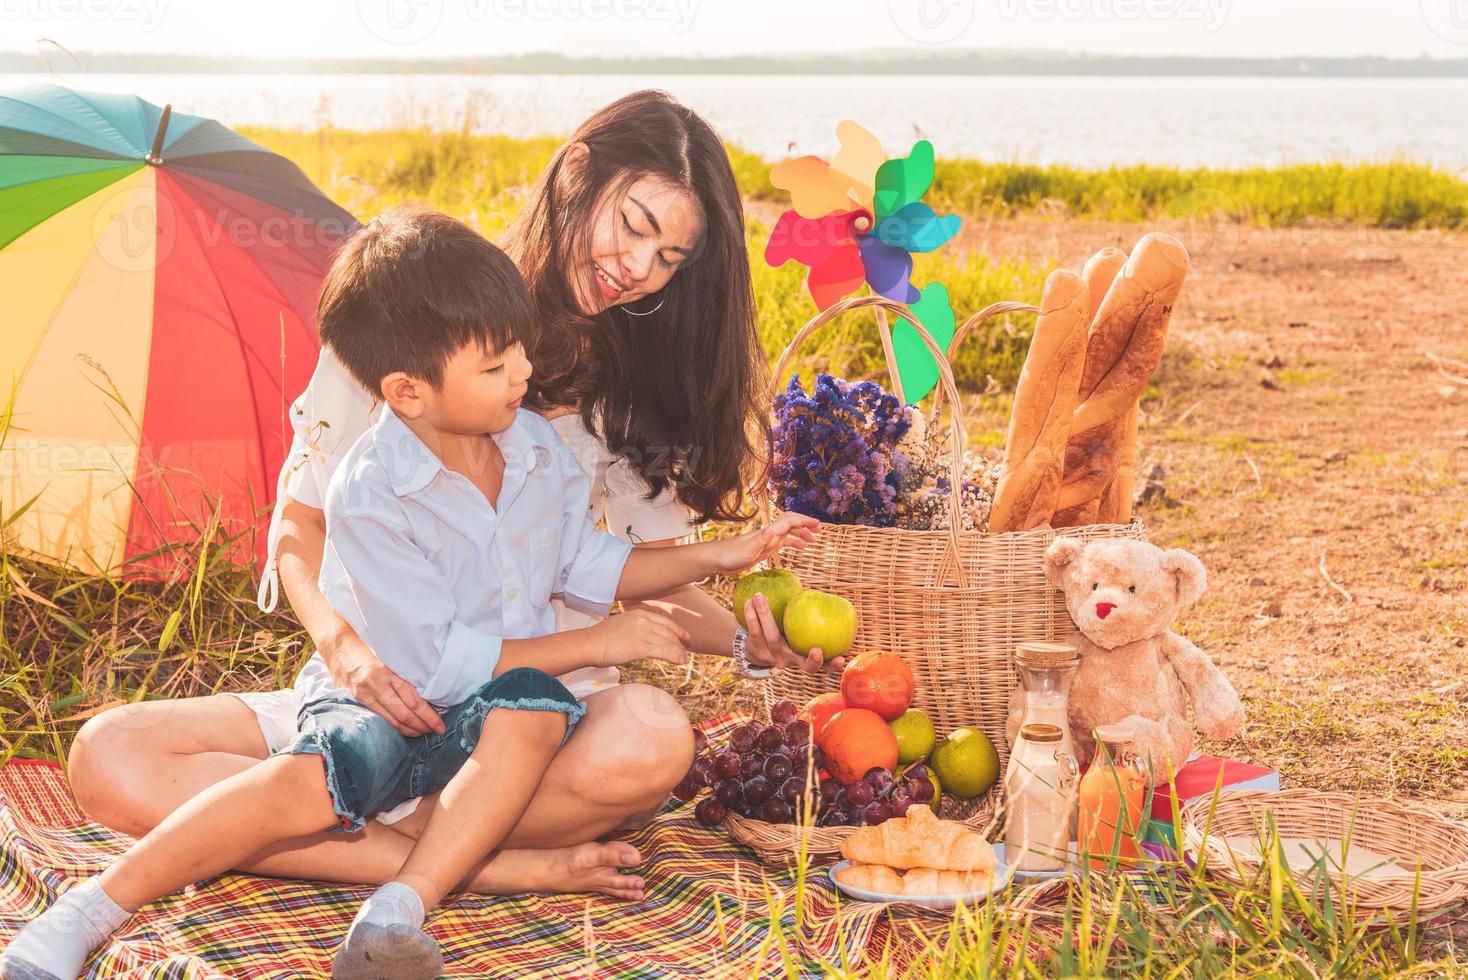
{"x":412,"y":288}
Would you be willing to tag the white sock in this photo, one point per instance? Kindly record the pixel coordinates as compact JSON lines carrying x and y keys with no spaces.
{"x":392,"y":904}
{"x":62,"y":937}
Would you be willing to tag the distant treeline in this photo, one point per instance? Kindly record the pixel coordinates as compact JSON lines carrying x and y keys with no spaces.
{"x":981,"y":62}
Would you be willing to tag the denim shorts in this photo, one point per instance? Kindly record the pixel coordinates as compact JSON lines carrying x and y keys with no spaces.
{"x":372,"y":767}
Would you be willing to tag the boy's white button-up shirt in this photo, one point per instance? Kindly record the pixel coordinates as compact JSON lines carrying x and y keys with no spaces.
{"x":434,"y":578}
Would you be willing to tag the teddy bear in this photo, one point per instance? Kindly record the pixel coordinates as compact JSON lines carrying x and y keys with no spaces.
{"x":1122,"y":596}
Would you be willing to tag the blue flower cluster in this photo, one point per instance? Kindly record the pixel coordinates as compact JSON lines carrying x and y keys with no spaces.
{"x":835,"y":453}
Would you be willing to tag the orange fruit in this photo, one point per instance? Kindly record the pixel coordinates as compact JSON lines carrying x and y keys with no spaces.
{"x":855,"y":740}
{"x":818,"y":710}
{"x":880,"y":682}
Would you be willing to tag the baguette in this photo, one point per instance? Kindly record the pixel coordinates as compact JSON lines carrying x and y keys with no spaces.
{"x":1100,"y":271}
{"x":920,"y":840}
{"x":1044,"y":400}
{"x":1115,"y":505}
{"x":1123,"y":349}
{"x":915,"y":882}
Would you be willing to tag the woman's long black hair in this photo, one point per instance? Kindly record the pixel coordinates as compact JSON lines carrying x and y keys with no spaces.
{"x":681,"y":392}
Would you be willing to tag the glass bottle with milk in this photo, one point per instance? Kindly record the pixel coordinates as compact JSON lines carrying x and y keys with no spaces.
{"x":1040,"y":801}
{"x":1045,"y":674}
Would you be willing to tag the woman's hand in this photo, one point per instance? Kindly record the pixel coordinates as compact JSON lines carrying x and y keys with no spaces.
{"x":355,"y":667}
{"x":767,"y":648}
{"x":753,"y":547}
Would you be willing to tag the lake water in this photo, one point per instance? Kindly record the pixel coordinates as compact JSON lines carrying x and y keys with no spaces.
{"x":1088,"y":122}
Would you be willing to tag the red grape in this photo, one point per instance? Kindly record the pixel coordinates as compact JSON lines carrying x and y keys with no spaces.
{"x":726,"y":764}
{"x":729,"y":793}
{"x":783,"y":712}
{"x":797,"y":734}
{"x":777,"y":767}
{"x":831,"y":818}
{"x":817,"y":758}
{"x":700,"y":741}
{"x":742,"y":738}
{"x":792,"y":789}
{"x":830,"y":789}
{"x":770,"y":738}
{"x":710,"y":812}
{"x":879,"y":779}
{"x":900,"y":805}
{"x":703,"y":771}
{"x":920,"y":789}
{"x":757,"y":789}
{"x":860,"y":794}
{"x":687,"y":788}
{"x":753,"y":766}
{"x":776,"y":810}
{"x":876,"y":812}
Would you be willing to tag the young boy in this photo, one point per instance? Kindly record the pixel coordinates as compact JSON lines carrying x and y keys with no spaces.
{"x":450,"y":524}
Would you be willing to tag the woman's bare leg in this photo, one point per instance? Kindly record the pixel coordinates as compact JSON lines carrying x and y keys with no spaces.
{"x":132,"y":766}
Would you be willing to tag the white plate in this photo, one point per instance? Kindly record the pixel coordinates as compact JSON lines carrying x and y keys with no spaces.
{"x":938,"y":903}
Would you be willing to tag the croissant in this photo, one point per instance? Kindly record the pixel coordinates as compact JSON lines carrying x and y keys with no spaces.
{"x":920,"y":840}
{"x":918,"y":881}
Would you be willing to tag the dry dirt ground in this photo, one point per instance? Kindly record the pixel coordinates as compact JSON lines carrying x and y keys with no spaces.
{"x":1311,"y":425}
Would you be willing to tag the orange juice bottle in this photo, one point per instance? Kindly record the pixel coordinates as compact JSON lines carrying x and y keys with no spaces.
{"x":1111,"y":796}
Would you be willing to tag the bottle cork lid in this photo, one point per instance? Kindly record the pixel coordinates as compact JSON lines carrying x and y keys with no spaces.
{"x":1036,"y":732}
{"x":1118,"y":734}
{"x":1041,"y":654}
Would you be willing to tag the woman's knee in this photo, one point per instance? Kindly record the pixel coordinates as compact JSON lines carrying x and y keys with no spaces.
{"x":98,"y":766}
{"x":640,"y":749}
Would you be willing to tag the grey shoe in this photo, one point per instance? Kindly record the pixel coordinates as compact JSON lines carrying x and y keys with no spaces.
{"x":373,"y":952}
{"x":15,"y":968}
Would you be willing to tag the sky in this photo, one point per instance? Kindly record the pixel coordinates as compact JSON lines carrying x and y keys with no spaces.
{"x":436,"y":28}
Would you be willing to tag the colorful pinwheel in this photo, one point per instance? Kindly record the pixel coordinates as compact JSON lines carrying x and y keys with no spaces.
{"x":859,"y":219}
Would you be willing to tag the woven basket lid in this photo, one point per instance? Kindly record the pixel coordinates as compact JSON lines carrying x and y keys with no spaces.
{"x":1036,"y":654}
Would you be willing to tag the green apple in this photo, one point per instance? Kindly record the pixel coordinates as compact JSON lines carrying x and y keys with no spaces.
{"x":967,"y":762}
{"x":820,"y":619}
{"x":777,"y":585}
{"x":915,"y":736}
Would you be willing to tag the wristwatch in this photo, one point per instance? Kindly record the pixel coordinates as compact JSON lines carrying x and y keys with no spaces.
{"x":745,"y":667}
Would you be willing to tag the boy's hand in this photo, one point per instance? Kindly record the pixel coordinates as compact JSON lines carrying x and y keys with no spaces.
{"x":640,"y":634}
{"x":753,"y":547}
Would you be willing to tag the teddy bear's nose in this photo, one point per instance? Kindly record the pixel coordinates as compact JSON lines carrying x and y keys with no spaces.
{"x":1103,"y":609}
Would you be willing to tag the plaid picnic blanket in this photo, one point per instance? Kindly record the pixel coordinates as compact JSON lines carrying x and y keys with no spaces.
{"x":707,"y":911}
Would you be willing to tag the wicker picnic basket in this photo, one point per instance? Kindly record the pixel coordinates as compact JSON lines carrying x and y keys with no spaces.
{"x":1424,"y":857}
{"x":952,"y":603}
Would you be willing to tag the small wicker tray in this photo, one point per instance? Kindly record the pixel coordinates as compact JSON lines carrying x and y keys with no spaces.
{"x":1423,"y":866}
{"x":780,"y":844}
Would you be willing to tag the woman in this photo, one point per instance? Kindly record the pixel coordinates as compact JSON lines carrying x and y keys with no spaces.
{"x":649,"y":366}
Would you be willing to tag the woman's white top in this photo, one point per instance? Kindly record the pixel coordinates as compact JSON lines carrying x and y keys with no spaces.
{"x":335,"y":411}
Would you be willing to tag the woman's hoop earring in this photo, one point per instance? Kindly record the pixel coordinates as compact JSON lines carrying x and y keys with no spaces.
{"x":631,"y":312}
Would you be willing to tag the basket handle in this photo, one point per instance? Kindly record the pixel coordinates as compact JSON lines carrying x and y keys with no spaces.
{"x":961,"y":334}
{"x":945,"y":376}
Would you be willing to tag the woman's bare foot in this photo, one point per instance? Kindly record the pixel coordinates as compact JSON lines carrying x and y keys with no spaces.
{"x":580,"y":868}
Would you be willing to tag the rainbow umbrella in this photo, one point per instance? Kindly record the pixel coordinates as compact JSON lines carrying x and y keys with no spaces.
{"x":159,"y":275}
